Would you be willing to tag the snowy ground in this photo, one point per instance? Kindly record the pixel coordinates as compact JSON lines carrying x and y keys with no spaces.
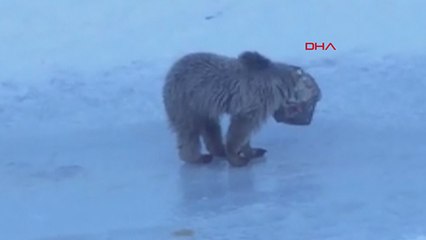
{"x":85,"y":153}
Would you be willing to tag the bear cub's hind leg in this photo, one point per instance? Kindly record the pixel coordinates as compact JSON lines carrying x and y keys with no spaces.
{"x":189,"y":147}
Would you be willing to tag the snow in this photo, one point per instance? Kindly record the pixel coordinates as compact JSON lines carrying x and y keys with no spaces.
{"x":85,"y":153}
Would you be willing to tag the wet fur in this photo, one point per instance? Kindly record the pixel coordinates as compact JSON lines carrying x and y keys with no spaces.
{"x":201,"y":87}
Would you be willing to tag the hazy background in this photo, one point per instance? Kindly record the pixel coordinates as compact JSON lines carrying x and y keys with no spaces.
{"x":85,"y":153}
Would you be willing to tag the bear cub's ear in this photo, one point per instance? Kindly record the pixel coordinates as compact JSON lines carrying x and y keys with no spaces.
{"x":254,"y":60}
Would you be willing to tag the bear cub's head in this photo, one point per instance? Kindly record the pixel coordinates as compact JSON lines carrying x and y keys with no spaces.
{"x":303,"y":91}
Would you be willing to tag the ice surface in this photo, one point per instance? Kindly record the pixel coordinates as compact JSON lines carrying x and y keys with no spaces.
{"x":85,"y":153}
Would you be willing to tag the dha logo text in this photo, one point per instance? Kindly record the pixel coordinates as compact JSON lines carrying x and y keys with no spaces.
{"x":313,"y":46}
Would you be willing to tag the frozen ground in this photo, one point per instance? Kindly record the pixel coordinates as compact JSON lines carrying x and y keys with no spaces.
{"x":85,"y":153}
